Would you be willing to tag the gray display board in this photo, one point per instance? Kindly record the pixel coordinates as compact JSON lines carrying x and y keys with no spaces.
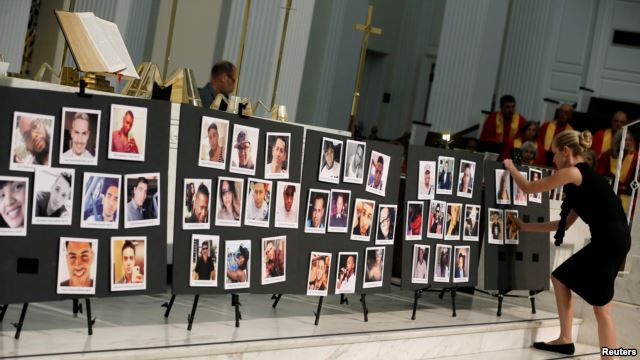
{"x":524,"y":266}
{"x":29,"y":265}
{"x":414,"y":182}
{"x":189,"y":148}
{"x":332,"y":242}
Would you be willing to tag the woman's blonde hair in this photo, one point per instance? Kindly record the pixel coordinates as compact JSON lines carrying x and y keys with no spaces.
{"x":578,"y":142}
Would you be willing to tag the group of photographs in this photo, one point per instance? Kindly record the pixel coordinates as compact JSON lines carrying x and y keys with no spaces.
{"x":353,"y":171}
{"x":214,"y":137}
{"x":53,"y":194}
{"x":329,"y":211}
{"x":442,"y":182}
{"x":78,"y":264}
{"x":346,"y":271}
{"x":205,"y":256}
{"x":53,"y":188}
{"x":502,"y":227}
{"x":444,"y":221}
{"x":442,"y":268}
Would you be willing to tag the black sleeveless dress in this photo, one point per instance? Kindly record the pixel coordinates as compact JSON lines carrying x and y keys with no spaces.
{"x":591,"y":272}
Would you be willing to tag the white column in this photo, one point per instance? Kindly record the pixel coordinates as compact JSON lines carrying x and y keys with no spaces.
{"x":14,"y":20}
{"x":468,"y":58}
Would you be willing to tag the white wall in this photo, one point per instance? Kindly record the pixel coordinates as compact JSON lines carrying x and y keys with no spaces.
{"x":14,"y":20}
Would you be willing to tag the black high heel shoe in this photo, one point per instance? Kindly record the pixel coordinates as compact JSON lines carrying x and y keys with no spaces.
{"x":566,"y":349}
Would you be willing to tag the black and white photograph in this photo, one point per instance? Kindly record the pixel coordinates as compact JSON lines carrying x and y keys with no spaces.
{"x":446,"y":167}
{"x":80,"y":136}
{"x":100,"y":201}
{"x":277,"y":155}
{"x":519,"y":197}
{"x":316,"y":218}
{"x":196,"y":204}
{"x":495,"y":227}
{"x":420,"y":264}
{"x":363,"y":215}
{"x":143,"y":200}
{"x":128,"y":263}
{"x":287,"y":204}
{"x":318,"y":275}
{"x":415,"y":216}
{"x":347,"y":272}
{"x":466,"y":178}
{"x":229,"y":201}
{"x":258,"y":203}
{"x":442,"y":268}
{"x":244,"y":152}
{"x":238,"y":266}
{"x":204,"y":260}
{"x":330,"y":159}
{"x":453,"y":221}
{"x":53,"y":196}
{"x":274,"y":260}
{"x":461,"y":261}
{"x":339,"y":211}
{"x":77,"y":266}
{"x":503,"y":187}
{"x":378,"y":172}
{"x":426,"y":180}
{"x":511,"y":234}
{"x":214,"y":137}
{"x":31,"y":141}
{"x":373,"y":267}
{"x":127,"y":132}
{"x":471,"y":227}
{"x":386,"y":228}
{"x":535,"y":175}
{"x":435,"y":226}
{"x":354,"y":159}
{"x":14,"y":201}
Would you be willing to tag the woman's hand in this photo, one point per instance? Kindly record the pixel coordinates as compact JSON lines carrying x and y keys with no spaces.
{"x":508,"y":164}
{"x":521,"y":225}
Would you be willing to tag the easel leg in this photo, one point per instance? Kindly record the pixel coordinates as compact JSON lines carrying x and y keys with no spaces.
{"x":77,"y":307}
{"x":416,"y":295}
{"x":235,"y":301}
{"x":169,"y":305}
{"x":365,"y":310}
{"x":453,"y":301}
{"x":90,"y":321}
{"x":500,"y":298}
{"x":442,"y":293}
{"x":533,"y":301}
{"x":18,"y":325}
{"x":3,"y":310}
{"x":317,"y":312}
{"x":191,"y":316}
{"x":276,"y":299}
{"x":344,"y":299}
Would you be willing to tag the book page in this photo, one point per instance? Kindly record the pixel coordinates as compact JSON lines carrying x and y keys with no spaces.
{"x":114,"y":37}
{"x":101,"y":37}
{"x":82,"y":48}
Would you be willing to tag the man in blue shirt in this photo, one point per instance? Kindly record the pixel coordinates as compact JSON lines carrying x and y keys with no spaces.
{"x":223,"y":80}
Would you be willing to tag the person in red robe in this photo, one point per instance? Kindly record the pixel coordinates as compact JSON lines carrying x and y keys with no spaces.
{"x":529,"y":132}
{"x":608,"y":165}
{"x":551,"y":128}
{"x":602,"y":138}
{"x":502,"y":126}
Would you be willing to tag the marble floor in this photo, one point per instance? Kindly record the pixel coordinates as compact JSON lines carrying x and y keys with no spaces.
{"x":135,"y":325}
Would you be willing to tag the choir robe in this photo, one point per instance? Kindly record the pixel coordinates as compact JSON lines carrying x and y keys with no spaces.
{"x":498,"y":131}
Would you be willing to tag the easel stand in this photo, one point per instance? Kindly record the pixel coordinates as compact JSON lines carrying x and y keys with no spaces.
{"x":276,"y":299}
{"x":501,"y":294}
{"x":317,"y":312}
{"x":77,"y":307}
{"x":235,"y":302}
{"x":365,"y":310}
{"x":343,"y":300}
{"x":418,"y":294}
{"x":168,"y":305}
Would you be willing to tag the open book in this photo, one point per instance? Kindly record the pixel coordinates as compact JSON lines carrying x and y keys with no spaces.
{"x":96,"y":44}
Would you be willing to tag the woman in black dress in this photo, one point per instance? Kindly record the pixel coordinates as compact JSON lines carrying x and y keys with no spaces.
{"x":591,"y":272}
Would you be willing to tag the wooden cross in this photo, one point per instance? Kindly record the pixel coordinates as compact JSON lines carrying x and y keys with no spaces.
{"x":367,"y":29}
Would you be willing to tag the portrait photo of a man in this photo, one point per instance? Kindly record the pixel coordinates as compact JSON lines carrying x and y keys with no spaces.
{"x":53,"y":196}
{"x":79,"y":140}
{"x":277,"y":156}
{"x":363,"y":214}
{"x":339,"y":210}
{"x":426,"y":180}
{"x":205,"y":251}
{"x":197,"y":204}
{"x":420,"y":264}
{"x":100,"y":201}
{"x":245,"y":150}
{"x":445,"y":175}
{"x":143,"y":200}
{"x":378,"y":172}
{"x":128,"y":129}
{"x":347,"y":272}
{"x":213,"y":142}
{"x":31,"y":141}
{"x":330,"y":161}
{"x":287,"y":204}
{"x":128,"y":263}
{"x":354,"y":162}
{"x":274,"y":260}
{"x":258,"y":204}
{"x":77,"y":264}
{"x":316,"y":218}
